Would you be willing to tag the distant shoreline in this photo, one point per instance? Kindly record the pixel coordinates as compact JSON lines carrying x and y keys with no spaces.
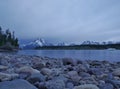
{"x":81,"y":47}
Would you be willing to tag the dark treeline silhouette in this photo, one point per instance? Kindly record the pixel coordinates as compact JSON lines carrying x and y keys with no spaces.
{"x":8,"y":38}
{"x":78,"y":47}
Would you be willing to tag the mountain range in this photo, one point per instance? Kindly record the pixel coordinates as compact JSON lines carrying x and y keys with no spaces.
{"x":41,"y":42}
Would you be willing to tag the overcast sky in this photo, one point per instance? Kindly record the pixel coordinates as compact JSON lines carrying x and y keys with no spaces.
{"x":62,"y":20}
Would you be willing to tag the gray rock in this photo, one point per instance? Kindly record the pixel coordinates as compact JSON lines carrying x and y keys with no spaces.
{"x":27,"y":69}
{"x":116,"y":72}
{"x":86,"y":86}
{"x":55,"y":84}
{"x":39,"y":65}
{"x":16,"y":84}
{"x":95,"y":71}
{"x":80,"y":68}
{"x":69,"y":61}
{"x":46,"y":71}
{"x":5,"y":76}
{"x":36,"y":78}
{"x":96,"y":63}
{"x":70,"y":85}
{"x":107,"y":86}
{"x":3,"y":67}
{"x":84,"y":74}
{"x":40,"y":85}
{"x":61,"y":77}
{"x":113,"y":82}
{"x":74,"y":77}
{"x":86,"y":65}
{"x":56,"y":71}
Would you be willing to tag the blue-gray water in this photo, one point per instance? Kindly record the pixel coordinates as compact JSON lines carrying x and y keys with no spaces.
{"x":76,"y":54}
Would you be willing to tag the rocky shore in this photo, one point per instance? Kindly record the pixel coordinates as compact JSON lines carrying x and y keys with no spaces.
{"x":34,"y":72}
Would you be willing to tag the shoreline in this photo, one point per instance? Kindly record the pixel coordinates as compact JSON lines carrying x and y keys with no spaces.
{"x":52,"y":73}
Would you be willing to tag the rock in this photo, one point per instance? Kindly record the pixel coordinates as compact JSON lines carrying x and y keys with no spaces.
{"x":24,"y":75}
{"x":107,"y":86}
{"x":46,"y":71}
{"x":61,"y":77}
{"x":82,"y":82}
{"x":73,"y":75}
{"x":16,"y":84}
{"x":115,"y":83}
{"x":39,"y":65}
{"x":5,"y":77}
{"x":86,"y":86}
{"x":80,"y":68}
{"x":96,"y":63}
{"x":90,"y":80}
{"x":86,"y":65}
{"x":69,"y":68}
{"x":56,"y":71}
{"x":95,"y":71}
{"x":69,"y":61}
{"x":3,"y":67}
{"x":36,"y":78}
{"x":84,"y":74}
{"x":49,"y":64}
{"x":27,"y":69}
{"x":55,"y":84}
{"x":40,"y":85}
{"x":70,"y":85}
{"x":116,"y":72}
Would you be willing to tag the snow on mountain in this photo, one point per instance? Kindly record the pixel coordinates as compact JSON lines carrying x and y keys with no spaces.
{"x":108,"y":42}
{"x":34,"y":44}
{"x":90,"y":43}
{"x":42,"y":42}
{"x":39,"y":42}
{"x":97,"y":43}
{"x":62,"y":44}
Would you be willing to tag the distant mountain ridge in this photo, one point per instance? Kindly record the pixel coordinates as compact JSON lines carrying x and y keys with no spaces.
{"x":33,"y":44}
{"x":42,"y":43}
{"x":98,"y":43}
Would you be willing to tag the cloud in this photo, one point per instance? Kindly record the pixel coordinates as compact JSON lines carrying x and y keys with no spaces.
{"x":62,"y":20}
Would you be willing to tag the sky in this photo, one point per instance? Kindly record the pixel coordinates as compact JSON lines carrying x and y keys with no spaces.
{"x":62,"y":20}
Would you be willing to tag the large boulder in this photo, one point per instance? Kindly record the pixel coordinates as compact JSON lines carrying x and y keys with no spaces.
{"x":5,"y":76}
{"x":36,"y":78}
{"x":86,"y":86}
{"x":27,"y":69}
{"x":16,"y":84}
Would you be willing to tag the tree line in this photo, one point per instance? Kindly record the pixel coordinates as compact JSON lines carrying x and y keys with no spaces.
{"x":8,"y":37}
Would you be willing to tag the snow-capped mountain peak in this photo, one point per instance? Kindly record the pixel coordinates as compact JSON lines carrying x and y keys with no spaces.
{"x":37,"y":43}
{"x":90,"y":43}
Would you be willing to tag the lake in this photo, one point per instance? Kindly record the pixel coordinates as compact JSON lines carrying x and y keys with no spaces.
{"x":76,"y":54}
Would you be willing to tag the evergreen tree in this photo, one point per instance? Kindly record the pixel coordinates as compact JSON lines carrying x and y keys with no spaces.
{"x":8,"y":37}
{"x":0,"y":36}
{"x":16,"y":42}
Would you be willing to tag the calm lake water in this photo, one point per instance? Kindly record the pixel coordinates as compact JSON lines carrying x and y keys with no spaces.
{"x":76,"y":54}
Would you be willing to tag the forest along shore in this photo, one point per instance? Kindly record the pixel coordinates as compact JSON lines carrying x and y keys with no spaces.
{"x":35,"y":72}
